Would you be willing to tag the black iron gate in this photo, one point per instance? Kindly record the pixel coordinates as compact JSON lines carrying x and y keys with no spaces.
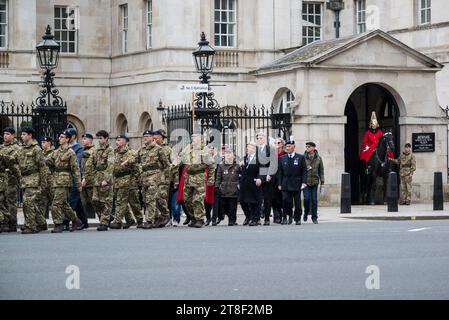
{"x":230,"y":126}
{"x":46,"y":120}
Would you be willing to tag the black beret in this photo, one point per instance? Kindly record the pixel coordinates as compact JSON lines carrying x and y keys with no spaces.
{"x":28,"y":130}
{"x":87,"y":135}
{"x":310,"y":143}
{"x":290,"y":142}
{"x":122,"y":136}
{"x":68,"y":133}
{"x":48,"y":139}
{"x":9,"y":129}
{"x":160,"y":132}
{"x":72,"y":131}
{"x":148,"y":133}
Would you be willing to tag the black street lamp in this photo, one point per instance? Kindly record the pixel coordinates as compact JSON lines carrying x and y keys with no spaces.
{"x":204,"y":58}
{"x":205,"y":108}
{"x":336,"y":6}
{"x":50,"y":112}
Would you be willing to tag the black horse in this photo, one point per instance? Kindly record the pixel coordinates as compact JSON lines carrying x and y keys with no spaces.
{"x":378,"y":167}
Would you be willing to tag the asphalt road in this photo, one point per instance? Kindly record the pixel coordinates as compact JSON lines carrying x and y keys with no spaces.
{"x":404,"y":260}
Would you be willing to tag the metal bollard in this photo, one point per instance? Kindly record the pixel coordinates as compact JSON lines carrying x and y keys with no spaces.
{"x":392,"y":192}
{"x":345,"y":200}
{"x":437,"y":191}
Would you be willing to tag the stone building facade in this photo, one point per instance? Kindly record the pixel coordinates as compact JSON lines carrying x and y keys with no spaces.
{"x":122,"y":57}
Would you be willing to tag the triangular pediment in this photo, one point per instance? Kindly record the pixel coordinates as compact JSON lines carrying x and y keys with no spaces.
{"x":375,"y":49}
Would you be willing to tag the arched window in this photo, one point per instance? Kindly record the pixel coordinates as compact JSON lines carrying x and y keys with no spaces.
{"x":286,"y":102}
{"x":122,"y":124}
{"x":145,"y":122}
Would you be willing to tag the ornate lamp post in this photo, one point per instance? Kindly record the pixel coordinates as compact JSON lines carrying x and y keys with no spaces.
{"x":336,"y":6}
{"x":50,"y":109}
{"x":205,"y":107}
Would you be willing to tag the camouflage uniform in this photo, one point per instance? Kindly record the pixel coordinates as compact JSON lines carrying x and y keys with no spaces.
{"x":197,"y":159}
{"x":407,"y":163}
{"x":89,"y":177}
{"x":46,"y":196}
{"x":124,"y":167}
{"x":11,"y":150}
{"x":164,"y":186}
{"x":33,"y":172}
{"x":134,"y":201}
{"x":102,"y":164}
{"x":5,"y":164}
{"x":153,"y":164}
{"x":63,"y":163}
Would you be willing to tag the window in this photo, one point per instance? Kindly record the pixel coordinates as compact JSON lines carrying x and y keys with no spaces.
{"x":124,"y":26}
{"x":65,"y":28}
{"x":225,"y":23}
{"x":3,"y":23}
{"x":149,"y":22}
{"x":285,"y":105}
{"x":360,"y":12}
{"x":311,"y":22}
{"x":424,"y":11}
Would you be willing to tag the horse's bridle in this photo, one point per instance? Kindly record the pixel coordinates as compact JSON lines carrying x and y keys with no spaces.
{"x":383,"y":163}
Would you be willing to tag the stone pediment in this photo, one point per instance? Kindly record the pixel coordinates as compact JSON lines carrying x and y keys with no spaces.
{"x":374,"y":49}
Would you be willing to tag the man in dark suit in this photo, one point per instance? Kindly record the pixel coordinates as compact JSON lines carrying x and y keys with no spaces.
{"x":249,"y":186}
{"x":267,"y":160}
{"x":292,"y":178}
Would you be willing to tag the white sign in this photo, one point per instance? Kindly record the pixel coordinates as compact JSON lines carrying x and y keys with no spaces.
{"x":186,"y":87}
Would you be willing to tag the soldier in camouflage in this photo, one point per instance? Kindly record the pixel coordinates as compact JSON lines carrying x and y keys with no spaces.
{"x":6,"y":164}
{"x":164,"y":178}
{"x":124,"y":166}
{"x":33,"y":172}
{"x":46,"y":196}
{"x":407,"y":164}
{"x":63,"y":164}
{"x":10,"y":148}
{"x":89,"y":174}
{"x":197,"y":159}
{"x":102,"y":166}
{"x":153,"y":164}
{"x":134,"y":199}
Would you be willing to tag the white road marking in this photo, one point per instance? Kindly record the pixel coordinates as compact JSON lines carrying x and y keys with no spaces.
{"x":419,"y":229}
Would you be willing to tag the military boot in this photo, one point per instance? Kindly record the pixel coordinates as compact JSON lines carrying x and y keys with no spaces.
{"x":12,"y":226}
{"x":58,"y":228}
{"x":192,"y":223}
{"x":199,"y":224}
{"x":42,"y":227}
{"x":29,"y":231}
{"x":129,"y":224}
{"x":148,"y":225}
{"x":102,"y":227}
{"x":5,"y":227}
{"x":163,"y":222}
{"x":115,"y":225}
{"x":75,"y":224}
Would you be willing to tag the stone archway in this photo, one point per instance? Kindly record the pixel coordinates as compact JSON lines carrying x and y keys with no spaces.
{"x":145,"y":122}
{"x":363,"y":100}
{"x":75,"y":123}
{"x":121,"y":124}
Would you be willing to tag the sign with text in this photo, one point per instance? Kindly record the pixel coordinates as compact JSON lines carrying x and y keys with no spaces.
{"x":190,"y":87}
{"x":423,"y":142}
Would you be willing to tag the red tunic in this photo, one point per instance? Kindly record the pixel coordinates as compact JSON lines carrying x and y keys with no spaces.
{"x":370,"y":141}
